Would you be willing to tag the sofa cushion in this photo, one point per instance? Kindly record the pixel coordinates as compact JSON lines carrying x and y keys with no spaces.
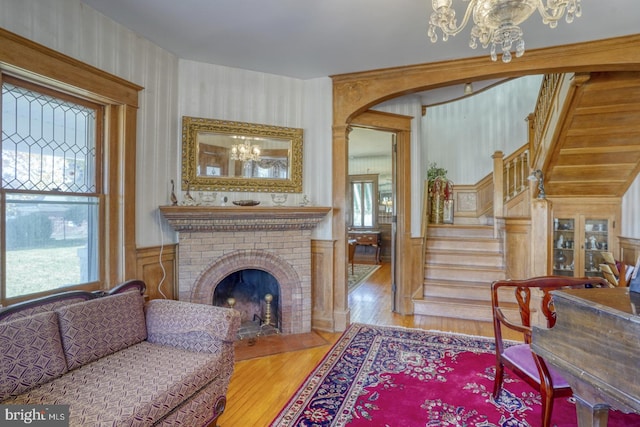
{"x":136,"y":386}
{"x":96,"y":328}
{"x":196,"y":327}
{"x":30,"y":353}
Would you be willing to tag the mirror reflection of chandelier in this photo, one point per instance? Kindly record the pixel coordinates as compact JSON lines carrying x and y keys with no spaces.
{"x":245,"y":151}
{"x":496,"y":22}
{"x":387,"y":202}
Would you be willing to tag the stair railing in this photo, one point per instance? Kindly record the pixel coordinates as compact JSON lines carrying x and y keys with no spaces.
{"x":510,"y":176}
{"x":539,"y":121}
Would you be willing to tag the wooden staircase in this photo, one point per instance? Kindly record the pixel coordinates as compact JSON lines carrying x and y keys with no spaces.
{"x":594,"y":149}
{"x":461,"y":261}
{"x":585,"y":137}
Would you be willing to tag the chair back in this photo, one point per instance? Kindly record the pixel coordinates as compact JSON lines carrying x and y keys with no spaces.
{"x":523,"y":296}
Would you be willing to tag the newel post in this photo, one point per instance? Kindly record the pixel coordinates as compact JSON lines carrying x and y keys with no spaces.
{"x":540,"y":242}
{"x":498,"y":188}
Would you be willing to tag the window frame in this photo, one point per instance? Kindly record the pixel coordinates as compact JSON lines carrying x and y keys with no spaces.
{"x":26,"y":60}
{"x":97,"y":193}
{"x":364,"y":179}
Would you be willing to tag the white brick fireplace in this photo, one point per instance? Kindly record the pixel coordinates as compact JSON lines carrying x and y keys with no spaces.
{"x":215,"y":242}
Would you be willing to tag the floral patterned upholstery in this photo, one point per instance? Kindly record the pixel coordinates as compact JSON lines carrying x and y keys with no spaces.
{"x":30,"y":353}
{"x":99,"y":327}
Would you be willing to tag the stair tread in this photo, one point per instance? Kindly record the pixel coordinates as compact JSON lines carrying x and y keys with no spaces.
{"x":458,"y":284}
{"x":480,"y":226}
{"x":472,"y":238}
{"x":463,"y":301}
{"x":463,"y":267}
{"x":476,"y":252}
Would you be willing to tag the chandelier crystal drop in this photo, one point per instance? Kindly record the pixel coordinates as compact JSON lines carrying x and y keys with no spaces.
{"x":245,"y":152}
{"x":496,"y":22}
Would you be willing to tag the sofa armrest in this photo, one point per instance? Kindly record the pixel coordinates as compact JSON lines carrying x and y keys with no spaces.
{"x":191,"y":326}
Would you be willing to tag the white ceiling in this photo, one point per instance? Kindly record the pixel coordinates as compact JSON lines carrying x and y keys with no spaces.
{"x":317,"y":38}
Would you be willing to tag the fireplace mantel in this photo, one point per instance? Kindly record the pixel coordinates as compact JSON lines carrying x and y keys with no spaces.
{"x":243,"y":218}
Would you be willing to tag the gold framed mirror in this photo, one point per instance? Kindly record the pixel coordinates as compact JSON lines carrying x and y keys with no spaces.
{"x":220,"y":155}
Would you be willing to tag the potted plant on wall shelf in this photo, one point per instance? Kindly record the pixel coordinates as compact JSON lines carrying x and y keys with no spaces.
{"x":440,"y":195}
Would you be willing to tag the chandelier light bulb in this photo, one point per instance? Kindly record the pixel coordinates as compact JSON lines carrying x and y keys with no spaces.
{"x":496,"y":22}
{"x":245,"y":152}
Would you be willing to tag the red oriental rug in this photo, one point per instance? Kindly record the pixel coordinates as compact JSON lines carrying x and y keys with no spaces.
{"x":387,"y":376}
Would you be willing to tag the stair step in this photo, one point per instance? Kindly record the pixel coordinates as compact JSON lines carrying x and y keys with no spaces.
{"x":461,"y":261}
{"x":457,"y":289}
{"x":466,"y":231}
{"x":480,"y":291}
{"x":454,"y":308}
{"x":463,"y":273}
{"x":479,"y":244}
{"x":475,"y":258}
{"x":460,"y":309}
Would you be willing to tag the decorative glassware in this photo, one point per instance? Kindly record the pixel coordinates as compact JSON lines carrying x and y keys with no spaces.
{"x":279,"y":199}
{"x":208,"y":199}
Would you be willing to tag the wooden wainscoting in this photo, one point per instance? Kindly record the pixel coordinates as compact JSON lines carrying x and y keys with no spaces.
{"x":517,"y":247}
{"x":161,"y":279}
{"x":322,"y":285}
{"x":629,"y":250}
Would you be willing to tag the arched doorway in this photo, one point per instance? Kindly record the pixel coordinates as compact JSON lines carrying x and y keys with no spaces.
{"x":355,"y":93}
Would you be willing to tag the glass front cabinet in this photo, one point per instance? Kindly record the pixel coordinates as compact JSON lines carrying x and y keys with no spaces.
{"x":578,"y":243}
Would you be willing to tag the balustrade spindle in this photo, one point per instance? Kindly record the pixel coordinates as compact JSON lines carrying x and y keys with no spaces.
{"x":507,"y":182}
{"x":515,"y":177}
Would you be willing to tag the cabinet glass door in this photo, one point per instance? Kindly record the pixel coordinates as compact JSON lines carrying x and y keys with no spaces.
{"x":564,"y":246}
{"x":596,"y":241}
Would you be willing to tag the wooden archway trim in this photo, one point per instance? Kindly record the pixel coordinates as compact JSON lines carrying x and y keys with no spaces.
{"x":355,"y":93}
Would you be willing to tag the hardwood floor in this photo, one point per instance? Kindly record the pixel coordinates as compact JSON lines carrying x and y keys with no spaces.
{"x":261,"y":387}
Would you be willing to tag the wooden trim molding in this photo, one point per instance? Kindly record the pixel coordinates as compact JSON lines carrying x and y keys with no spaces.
{"x":321,"y":285}
{"x":629,"y":250}
{"x":406,"y":284}
{"x":355,"y":93}
{"x":237,"y":218}
{"x":39,"y":63}
{"x":26,"y":59}
{"x":517,"y":240}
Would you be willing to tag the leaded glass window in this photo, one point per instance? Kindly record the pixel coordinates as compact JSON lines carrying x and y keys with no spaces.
{"x":50,"y":184}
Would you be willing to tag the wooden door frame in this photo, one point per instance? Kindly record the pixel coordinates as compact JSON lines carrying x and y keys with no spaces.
{"x":356,"y":93}
{"x":401,"y":126}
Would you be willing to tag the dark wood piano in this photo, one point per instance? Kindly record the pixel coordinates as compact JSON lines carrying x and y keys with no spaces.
{"x":595,"y":343}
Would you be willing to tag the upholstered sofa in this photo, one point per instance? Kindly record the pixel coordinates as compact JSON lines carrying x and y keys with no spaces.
{"x":118,"y":361}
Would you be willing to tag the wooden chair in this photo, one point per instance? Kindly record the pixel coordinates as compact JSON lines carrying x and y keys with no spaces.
{"x":520,"y":359}
{"x":352,"y":252}
{"x":608,"y":274}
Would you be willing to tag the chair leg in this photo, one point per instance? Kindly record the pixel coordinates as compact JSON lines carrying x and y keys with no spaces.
{"x":547,"y":408}
{"x":497,"y":384}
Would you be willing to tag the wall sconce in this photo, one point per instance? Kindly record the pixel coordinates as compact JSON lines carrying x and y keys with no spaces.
{"x":538,"y":176}
{"x":468,"y":89}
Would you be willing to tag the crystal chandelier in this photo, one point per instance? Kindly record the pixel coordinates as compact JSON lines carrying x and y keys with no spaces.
{"x":496,"y":22}
{"x":245,"y":152}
